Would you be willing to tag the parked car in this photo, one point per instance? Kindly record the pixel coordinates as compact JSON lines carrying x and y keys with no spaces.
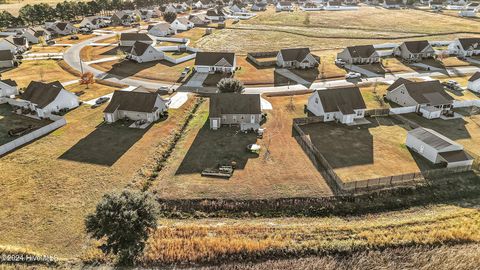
{"x":353,"y":75}
{"x":185,"y":71}
{"x":340,"y":62}
{"x":135,"y":25}
{"x":452,"y":84}
{"x":74,"y":37}
{"x":51,"y":42}
{"x":102,"y":100}
{"x":85,"y":31}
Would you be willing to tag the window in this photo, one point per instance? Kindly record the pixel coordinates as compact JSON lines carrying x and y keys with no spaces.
{"x":359,"y":113}
{"x":316,"y":100}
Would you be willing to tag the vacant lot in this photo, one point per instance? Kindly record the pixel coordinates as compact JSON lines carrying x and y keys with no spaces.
{"x":367,"y":151}
{"x":90,"y":53}
{"x":285,"y":171}
{"x":9,"y":120}
{"x":39,"y":70}
{"x":465,"y":131}
{"x":373,"y":96}
{"x":47,"y":187}
{"x":92,"y":91}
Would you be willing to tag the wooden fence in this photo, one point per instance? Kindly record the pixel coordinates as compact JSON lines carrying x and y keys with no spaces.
{"x":377,"y":112}
{"x":255,"y":56}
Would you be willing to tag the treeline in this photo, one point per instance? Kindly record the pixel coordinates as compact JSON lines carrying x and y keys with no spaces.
{"x":70,"y":10}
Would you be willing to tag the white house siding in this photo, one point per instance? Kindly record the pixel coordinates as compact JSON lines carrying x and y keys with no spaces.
{"x":64,"y":100}
{"x":314,"y":105}
{"x":5,"y":45}
{"x":151,"y":54}
{"x":400,"y":96}
{"x":474,"y":86}
{"x":422,"y":148}
{"x":7,"y":90}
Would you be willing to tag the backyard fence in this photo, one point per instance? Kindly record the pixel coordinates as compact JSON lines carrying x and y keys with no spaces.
{"x":255,"y":56}
{"x":5,"y":148}
{"x":377,"y":112}
{"x":403,"y":110}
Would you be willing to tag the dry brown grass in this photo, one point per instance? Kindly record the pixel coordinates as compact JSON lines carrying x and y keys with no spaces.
{"x":93,"y":91}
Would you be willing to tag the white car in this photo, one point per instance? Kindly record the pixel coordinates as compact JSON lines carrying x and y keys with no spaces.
{"x":353,"y":75}
{"x":340,"y":62}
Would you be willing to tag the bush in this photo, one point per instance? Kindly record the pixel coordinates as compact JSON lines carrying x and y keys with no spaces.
{"x":123,"y":220}
{"x":169,"y":16}
{"x":230,"y":85}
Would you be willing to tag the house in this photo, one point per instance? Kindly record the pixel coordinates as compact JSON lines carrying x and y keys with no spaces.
{"x":7,"y":59}
{"x":392,"y":3}
{"x":311,"y":6}
{"x":8,"y":88}
{"x":284,"y":6}
{"x":160,"y":30}
{"x":428,"y":97}
{"x":465,"y":47}
{"x":235,"y":109}
{"x":46,"y":98}
{"x":16,"y":44}
{"x":474,"y":82}
{"x":199,"y":20}
{"x":61,"y":28}
{"x":181,"y":24}
{"x":143,"y":52}
{"x":470,"y":13}
{"x":34,"y":35}
{"x":93,"y":22}
{"x":211,"y":62}
{"x":437,"y":148}
{"x":238,"y":9}
{"x":297,"y":58}
{"x":257,"y":6}
{"x":135,"y":105}
{"x":344,"y":105}
{"x":334,"y":3}
{"x":414,"y":51}
{"x":203,"y":4}
{"x":436,"y":4}
{"x":128,"y":39}
{"x":215,"y":14}
{"x":360,"y":54}
{"x":146,"y":14}
{"x":170,"y":8}
{"x":6,"y":44}
{"x":123,"y":17}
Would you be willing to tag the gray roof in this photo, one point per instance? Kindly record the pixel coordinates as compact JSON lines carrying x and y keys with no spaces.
{"x":183,"y":20}
{"x":362,"y":51}
{"x":135,"y":36}
{"x":41,"y":93}
{"x":295,"y":54}
{"x":9,"y":82}
{"x":160,"y":26}
{"x":6,"y":55}
{"x":139,"y":48}
{"x":231,"y":103}
{"x":134,"y":101}
{"x":470,"y":43}
{"x":211,"y":58}
{"x":416,"y":46}
{"x":345,"y":100}
{"x":427,"y":92}
{"x":432,"y":138}
{"x":475,"y":77}
{"x":455,"y":156}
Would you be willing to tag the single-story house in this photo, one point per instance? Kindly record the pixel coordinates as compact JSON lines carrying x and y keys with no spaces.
{"x":437,"y":148}
{"x":238,"y":9}
{"x":8,"y":88}
{"x":429,"y":97}
{"x":7,"y":59}
{"x":344,"y":105}
{"x":474,"y":82}
{"x":465,"y":47}
{"x":210,"y":62}
{"x":414,"y":50}
{"x":203,"y":4}
{"x":181,"y":24}
{"x":334,"y":3}
{"x":235,"y":109}
{"x":392,"y":3}
{"x":146,"y":14}
{"x":297,"y":58}
{"x":143,"y":52}
{"x":215,"y":14}
{"x":128,"y":39}
{"x":16,"y":44}
{"x":199,"y":20}
{"x":436,"y":4}
{"x":46,"y":98}
{"x":135,"y":105}
{"x":311,"y":6}
{"x":8,"y":44}
{"x":93,"y":22}
{"x":161,"y":30}
{"x":35,"y":34}
{"x":284,"y":6}
{"x":360,"y":54}
{"x":257,"y":6}
{"x":123,"y":17}
{"x":61,"y":28}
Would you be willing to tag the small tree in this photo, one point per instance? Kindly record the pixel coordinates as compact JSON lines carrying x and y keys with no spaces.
{"x":169,"y":16}
{"x":230,"y":85}
{"x":87,"y":79}
{"x":123,"y":221}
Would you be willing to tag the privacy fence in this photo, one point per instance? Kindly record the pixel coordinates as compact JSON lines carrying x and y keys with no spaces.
{"x":256,"y":58}
{"x":340,"y":185}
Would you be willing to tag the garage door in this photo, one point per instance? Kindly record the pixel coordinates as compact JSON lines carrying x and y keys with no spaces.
{"x":214,"y":124}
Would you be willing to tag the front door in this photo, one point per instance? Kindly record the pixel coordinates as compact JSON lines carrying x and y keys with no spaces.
{"x":252,"y":119}
{"x":214,"y":123}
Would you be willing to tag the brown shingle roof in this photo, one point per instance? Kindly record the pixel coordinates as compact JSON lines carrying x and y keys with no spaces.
{"x":139,"y":48}
{"x":341,"y":99}
{"x":134,"y":101}
{"x":416,"y":46}
{"x":135,"y":36}
{"x":231,"y":103}
{"x":42,"y":94}
{"x":475,"y":77}
{"x":6,"y":55}
{"x":211,"y":58}
{"x":428,"y":92}
{"x":294,"y":54}
{"x":9,"y":82}
{"x":362,"y":51}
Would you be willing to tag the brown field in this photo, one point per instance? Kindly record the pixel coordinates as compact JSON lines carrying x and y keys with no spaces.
{"x":46,"y":49}
{"x":90,"y":53}
{"x":67,"y":40}
{"x":93,"y":91}
{"x":285,"y":172}
{"x":465,"y":131}
{"x":366,"y":151}
{"x":9,"y":120}
{"x":373,"y":96}
{"x":49,"y":185}
{"x":38,"y":70}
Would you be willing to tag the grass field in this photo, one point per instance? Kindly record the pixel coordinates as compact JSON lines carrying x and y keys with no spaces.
{"x":367,"y":151}
{"x":93,"y":91}
{"x":284,"y":172}
{"x":9,"y":120}
{"x":49,"y":185}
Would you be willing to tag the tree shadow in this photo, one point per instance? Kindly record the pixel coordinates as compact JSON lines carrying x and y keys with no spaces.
{"x":212,"y":148}
{"x":105,"y":145}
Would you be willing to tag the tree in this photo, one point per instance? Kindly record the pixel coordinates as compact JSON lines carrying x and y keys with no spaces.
{"x":230,"y":85}
{"x":87,"y":79}
{"x":6,"y":19}
{"x":124,"y":221}
{"x":169,"y":16}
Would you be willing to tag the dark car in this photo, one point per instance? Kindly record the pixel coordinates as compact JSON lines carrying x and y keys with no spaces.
{"x":102,"y":100}
{"x":74,"y":38}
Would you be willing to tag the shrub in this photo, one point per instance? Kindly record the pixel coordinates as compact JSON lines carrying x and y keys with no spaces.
{"x":230,"y":85}
{"x":169,"y":16}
